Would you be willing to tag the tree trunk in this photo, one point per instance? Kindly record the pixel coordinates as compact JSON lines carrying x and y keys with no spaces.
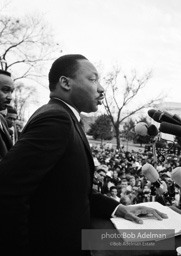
{"x":117,"y":137}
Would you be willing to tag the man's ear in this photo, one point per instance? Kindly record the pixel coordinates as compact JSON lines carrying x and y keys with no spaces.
{"x":64,"y":82}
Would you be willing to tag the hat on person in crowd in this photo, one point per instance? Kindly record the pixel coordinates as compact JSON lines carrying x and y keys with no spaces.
{"x":102,"y":167}
{"x":160,"y":168}
{"x":164,"y":175}
{"x":136,"y":165}
{"x":109,"y":174}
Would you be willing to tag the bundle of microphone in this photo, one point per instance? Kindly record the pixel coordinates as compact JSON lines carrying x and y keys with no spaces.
{"x":170,"y":124}
{"x":160,"y":186}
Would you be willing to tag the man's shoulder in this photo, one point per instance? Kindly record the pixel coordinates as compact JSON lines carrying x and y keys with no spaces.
{"x":48,"y":112}
{"x":49,"y":109}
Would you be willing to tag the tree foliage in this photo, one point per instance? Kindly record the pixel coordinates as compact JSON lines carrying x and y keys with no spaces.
{"x":101,"y":128}
{"x":26,"y":44}
{"x":23,"y":97}
{"x":128,"y":130}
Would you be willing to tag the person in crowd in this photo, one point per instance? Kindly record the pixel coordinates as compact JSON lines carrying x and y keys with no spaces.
{"x":132,"y":183}
{"x":6,"y":90}
{"x":133,"y":188}
{"x":115,"y":177}
{"x":39,"y":213}
{"x":118,"y":168}
{"x":146,"y":193}
{"x":99,"y":175}
{"x":124,"y":185}
{"x":11,"y":118}
{"x":119,"y":187}
{"x":113,"y":193}
{"x":107,"y":184}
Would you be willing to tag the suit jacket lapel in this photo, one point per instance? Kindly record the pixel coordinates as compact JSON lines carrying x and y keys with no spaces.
{"x":82,"y":134}
{"x":76,"y":123}
{"x":79,"y":130}
{"x":86,"y":144}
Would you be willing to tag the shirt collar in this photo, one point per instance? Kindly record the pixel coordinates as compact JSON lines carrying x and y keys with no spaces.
{"x":76,"y":113}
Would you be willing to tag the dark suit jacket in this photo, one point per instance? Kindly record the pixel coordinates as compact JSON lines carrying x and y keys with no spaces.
{"x":5,"y":138}
{"x":46,"y":185}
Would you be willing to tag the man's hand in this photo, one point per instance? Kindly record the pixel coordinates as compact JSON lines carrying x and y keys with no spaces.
{"x":131,"y":212}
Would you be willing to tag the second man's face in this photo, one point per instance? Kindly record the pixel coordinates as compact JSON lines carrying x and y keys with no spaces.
{"x":6,"y":90}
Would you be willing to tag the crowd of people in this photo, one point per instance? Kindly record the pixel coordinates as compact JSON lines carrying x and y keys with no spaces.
{"x":118,"y":174}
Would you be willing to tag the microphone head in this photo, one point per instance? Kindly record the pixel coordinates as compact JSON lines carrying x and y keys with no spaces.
{"x":151,"y":112}
{"x":177,"y":118}
{"x":152,"y":130}
{"x":150,"y":172}
{"x":176,"y":175}
{"x":157,"y":116}
{"x":141,"y":129}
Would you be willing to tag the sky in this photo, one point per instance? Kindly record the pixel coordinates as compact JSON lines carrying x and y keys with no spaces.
{"x":132,"y":34}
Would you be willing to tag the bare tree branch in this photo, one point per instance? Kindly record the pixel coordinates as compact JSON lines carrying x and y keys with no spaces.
{"x":131,"y":87}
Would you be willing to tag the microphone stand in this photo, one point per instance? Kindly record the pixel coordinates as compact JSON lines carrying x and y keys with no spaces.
{"x":154,"y":141}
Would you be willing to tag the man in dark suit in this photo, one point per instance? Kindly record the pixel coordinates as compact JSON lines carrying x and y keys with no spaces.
{"x":6,"y":89}
{"x":40,"y":212}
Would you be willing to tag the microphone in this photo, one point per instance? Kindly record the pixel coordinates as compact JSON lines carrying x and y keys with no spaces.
{"x":176,"y":175}
{"x":169,"y":128}
{"x":163,"y":116}
{"x":143,"y":129}
{"x":161,"y":187}
{"x":152,"y":175}
{"x":176,"y":117}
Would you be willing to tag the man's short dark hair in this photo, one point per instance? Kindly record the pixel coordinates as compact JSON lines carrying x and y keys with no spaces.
{"x":4,"y":72}
{"x":66,"y":65}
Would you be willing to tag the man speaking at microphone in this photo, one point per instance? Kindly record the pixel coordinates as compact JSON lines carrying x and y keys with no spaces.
{"x":46,"y":179}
